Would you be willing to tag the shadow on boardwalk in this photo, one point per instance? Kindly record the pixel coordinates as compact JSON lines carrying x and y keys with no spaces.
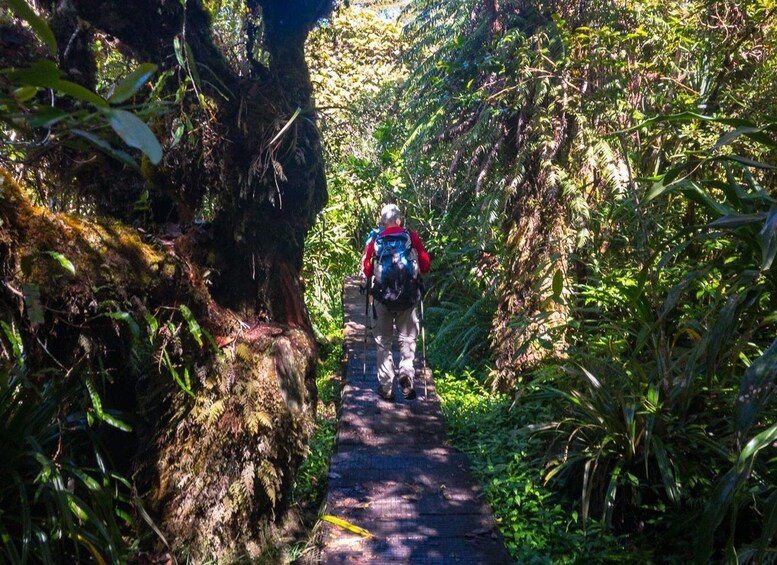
{"x":395,"y":475}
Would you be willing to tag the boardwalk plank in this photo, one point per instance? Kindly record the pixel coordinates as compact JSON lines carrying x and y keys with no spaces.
{"x":395,"y":475}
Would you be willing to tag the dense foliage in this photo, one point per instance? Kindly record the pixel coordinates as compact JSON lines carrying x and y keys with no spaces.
{"x":159,"y":169}
{"x":355,"y":70}
{"x":596,"y":184}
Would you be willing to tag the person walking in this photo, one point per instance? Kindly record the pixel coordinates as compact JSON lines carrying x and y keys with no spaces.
{"x":392,"y":261}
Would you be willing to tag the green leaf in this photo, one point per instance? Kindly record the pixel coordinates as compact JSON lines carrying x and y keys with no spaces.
{"x":737,"y":220}
{"x":135,"y":133}
{"x":106,"y":147}
{"x":756,"y":444}
{"x":719,"y":336}
{"x":682,"y":117}
{"x":97,"y":403}
{"x":185,"y":57}
{"x":656,"y":190}
{"x":88,"y":481}
{"x":755,"y":385}
{"x":286,"y":126}
{"x":176,"y":377}
{"x":115,"y":422}
{"x":128,"y":319}
{"x":194,"y":326}
{"x":609,"y":497}
{"x":79,"y":92}
{"x":178,"y":52}
{"x":33,"y":303}
{"x":63,"y":261}
{"x":16,"y":344}
{"x":38,"y":24}
{"x":25,"y":93}
{"x":750,"y":162}
{"x":731,"y":188}
{"x":762,"y":138}
{"x":138,"y":504}
{"x":130,"y":84}
{"x":153,"y":326}
{"x":768,"y":240}
{"x":42,"y":73}
{"x":676,"y":292}
{"x":180,"y":129}
{"x":728,"y":137}
{"x":47,"y":117}
{"x":192,"y":66}
{"x":694,"y":192}
{"x":558,"y":283}
{"x":666,"y":470}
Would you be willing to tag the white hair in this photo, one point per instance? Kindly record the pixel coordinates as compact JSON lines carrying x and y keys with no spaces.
{"x":389,"y":214}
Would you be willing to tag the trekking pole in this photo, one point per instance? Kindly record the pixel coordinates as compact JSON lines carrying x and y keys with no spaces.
{"x":423,"y":351}
{"x":366,"y":315}
{"x":366,"y":290}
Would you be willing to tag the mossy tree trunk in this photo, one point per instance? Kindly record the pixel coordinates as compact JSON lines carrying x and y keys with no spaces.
{"x":214,"y":463}
{"x":268,"y":188}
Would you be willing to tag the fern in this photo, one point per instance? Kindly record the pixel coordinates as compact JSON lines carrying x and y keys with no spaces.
{"x":238,"y":493}
{"x":243,"y":352}
{"x":258,"y":418}
{"x":247,"y":479}
{"x":268,"y":477}
{"x":213,"y":411}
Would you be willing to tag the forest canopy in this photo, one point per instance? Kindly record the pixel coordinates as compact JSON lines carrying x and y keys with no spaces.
{"x":186,"y":184}
{"x":596,"y":184}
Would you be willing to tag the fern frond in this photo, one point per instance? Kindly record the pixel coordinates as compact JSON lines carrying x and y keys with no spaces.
{"x":257,"y":418}
{"x":247,"y":479}
{"x":268,"y":477}
{"x":237,"y":492}
{"x":243,"y":352}
{"x":210,"y":411}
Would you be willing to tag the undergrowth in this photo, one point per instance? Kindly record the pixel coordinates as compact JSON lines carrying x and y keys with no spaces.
{"x":309,"y":490}
{"x":537,"y":525}
{"x":311,"y":479}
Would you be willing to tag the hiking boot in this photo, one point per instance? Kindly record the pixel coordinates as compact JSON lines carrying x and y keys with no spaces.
{"x":407,"y":387}
{"x":386,"y":393}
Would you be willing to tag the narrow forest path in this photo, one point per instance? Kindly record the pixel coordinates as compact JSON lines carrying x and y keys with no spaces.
{"x":394,"y":474}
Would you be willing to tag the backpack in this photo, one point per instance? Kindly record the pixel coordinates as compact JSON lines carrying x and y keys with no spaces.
{"x":396,"y":283}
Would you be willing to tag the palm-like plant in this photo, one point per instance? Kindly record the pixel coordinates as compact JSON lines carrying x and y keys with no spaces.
{"x":54,"y":507}
{"x":678,"y":417}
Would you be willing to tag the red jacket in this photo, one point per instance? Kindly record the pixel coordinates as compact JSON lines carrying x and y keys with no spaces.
{"x":423,"y":257}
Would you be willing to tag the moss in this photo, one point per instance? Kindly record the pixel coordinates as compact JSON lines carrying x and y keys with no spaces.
{"x":238,"y":446}
{"x":102,"y":252}
{"x":214,"y":468}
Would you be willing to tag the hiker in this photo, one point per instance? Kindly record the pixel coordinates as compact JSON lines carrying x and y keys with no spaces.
{"x":392,"y":261}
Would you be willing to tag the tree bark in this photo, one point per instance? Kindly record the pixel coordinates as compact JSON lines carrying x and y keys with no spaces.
{"x":216,"y":462}
{"x":536,"y":245}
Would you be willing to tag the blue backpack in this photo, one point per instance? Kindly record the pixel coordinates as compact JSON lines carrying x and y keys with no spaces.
{"x":396,"y":282}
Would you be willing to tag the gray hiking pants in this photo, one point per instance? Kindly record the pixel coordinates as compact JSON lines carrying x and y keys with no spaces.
{"x":406,"y":322}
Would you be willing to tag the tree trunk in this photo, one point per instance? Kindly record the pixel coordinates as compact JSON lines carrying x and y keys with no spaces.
{"x":214,"y":462}
{"x":536,"y":245}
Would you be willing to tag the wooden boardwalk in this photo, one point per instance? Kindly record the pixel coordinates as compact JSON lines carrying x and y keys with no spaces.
{"x":395,"y":475}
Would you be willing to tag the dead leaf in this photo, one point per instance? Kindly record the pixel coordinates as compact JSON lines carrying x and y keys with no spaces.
{"x":346,"y":525}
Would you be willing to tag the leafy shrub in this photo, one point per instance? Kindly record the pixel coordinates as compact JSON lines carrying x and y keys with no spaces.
{"x":537,"y":524}
{"x":56,"y":506}
{"x":669,"y":356}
